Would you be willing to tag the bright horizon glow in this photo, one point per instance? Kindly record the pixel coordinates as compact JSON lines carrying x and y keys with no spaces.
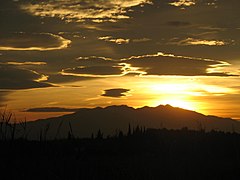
{"x":174,"y":94}
{"x":197,"y":94}
{"x":179,"y":103}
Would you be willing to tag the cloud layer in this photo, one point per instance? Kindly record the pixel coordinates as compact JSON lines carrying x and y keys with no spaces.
{"x":51,"y":109}
{"x":153,"y":64}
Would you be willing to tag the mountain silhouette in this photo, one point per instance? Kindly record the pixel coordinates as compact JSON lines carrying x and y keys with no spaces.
{"x":112,"y":119}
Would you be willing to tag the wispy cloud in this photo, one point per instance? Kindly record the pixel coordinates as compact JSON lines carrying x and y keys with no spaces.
{"x":183,"y":3}
{"x":122,"y":40}
{"x":24,"y":63}
{"x":141,"y":40}
{"x":114,"y":40}
{"x":193,"y":41}
{"x":81,"y":10}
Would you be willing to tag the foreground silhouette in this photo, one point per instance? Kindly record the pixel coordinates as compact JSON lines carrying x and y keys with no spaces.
{"x":140,"y":154}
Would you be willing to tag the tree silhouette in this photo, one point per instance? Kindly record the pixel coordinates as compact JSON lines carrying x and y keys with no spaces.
{"x":120,"y":134}
{"x":99,"y":135}
{"x":129,"y":133}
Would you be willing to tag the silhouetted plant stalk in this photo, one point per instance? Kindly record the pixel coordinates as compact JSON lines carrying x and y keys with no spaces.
{"x":201,"y":127}
{"x":43,"y":133}
{"x":70,"y":132}
{"x":25,"y":132}
{"x":99,"y":134}
{"x":7,"y":128}
{"x":58,"y":130}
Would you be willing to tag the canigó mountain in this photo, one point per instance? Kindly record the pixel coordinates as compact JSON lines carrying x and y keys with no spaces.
{"x":112,"y":119}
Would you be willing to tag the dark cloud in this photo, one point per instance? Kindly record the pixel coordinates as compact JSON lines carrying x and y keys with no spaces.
{"x":95,"y":66}
{"x":14,"y":20}
{"x":95,"y":70}
{"x":51,"y":109}
{"x":152,"y":64}
{"x":32,"y":41}
{"x":59,"y":78}
{"x":117,"y":93}
{"x":17,"y":78}
{"x":163,"y":64}
{"x":96,"y":61}
{"x":133,"y":74}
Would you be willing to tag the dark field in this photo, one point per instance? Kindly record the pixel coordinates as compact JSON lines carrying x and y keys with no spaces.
{"x":151,"y":154}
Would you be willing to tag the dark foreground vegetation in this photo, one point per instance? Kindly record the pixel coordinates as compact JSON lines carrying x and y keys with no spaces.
{"x":140,"y":155}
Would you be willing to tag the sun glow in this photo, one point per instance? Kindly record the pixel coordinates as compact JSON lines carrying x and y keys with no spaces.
{"x":179,"y":103}
{"x":169,"y":88}
{"x":176,"y":101}
{"x":175,"y":94}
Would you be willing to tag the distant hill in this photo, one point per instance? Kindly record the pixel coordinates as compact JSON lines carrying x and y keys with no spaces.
{"x":111,"y":119}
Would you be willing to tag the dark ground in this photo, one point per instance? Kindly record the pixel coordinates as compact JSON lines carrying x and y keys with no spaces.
{"x":149,"y":155}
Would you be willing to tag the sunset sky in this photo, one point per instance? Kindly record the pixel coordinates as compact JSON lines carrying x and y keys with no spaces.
{"x":60,"y":55}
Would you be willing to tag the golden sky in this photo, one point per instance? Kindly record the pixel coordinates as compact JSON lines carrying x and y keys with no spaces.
{"x":59,"y":56}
